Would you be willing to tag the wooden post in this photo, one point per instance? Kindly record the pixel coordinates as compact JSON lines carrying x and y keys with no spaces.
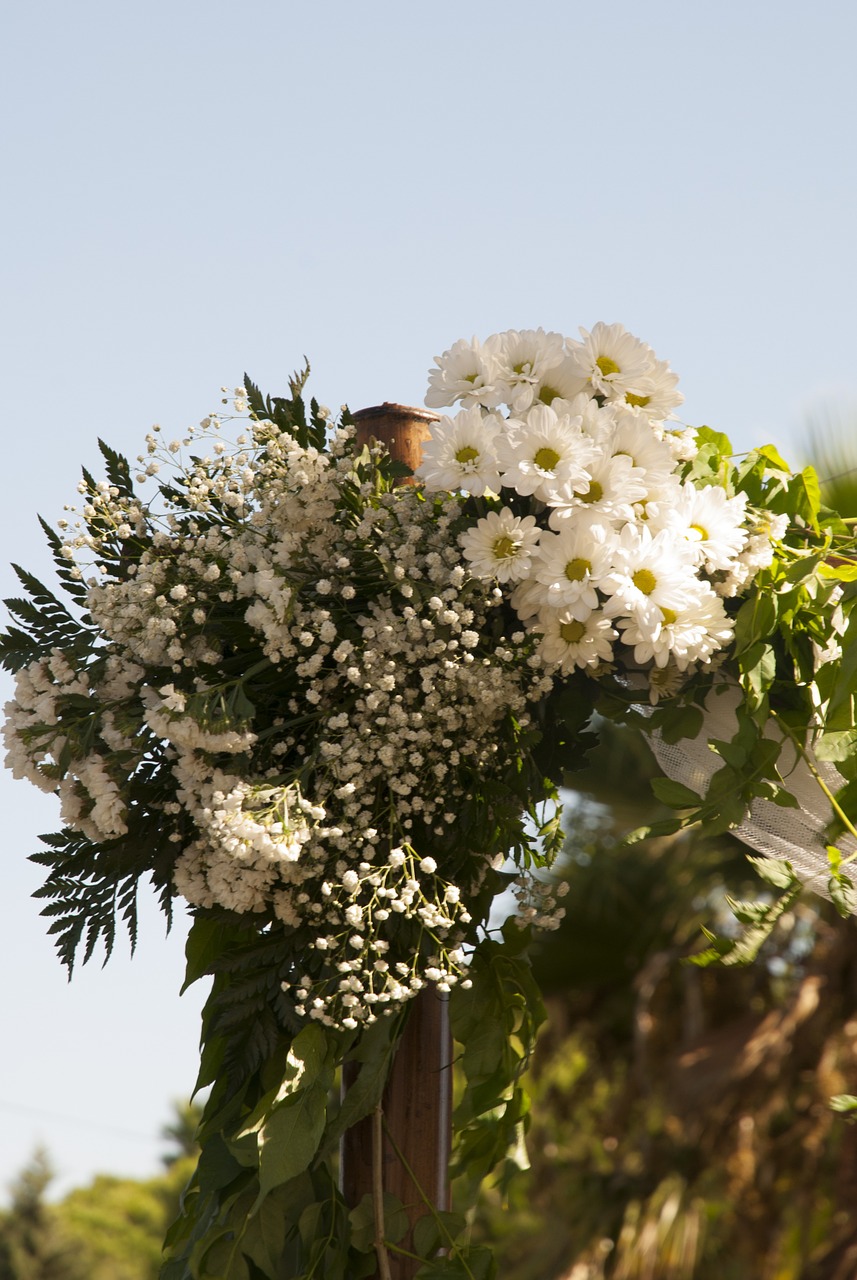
{"x":417,"y":1102}
{"x":417,"y":1114}
{"x":402,"y":429}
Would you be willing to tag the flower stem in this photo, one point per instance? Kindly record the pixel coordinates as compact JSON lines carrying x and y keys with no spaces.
{"x":378,"y":1192}
{"x":816,"y":773}
{"x":427,"y":1202}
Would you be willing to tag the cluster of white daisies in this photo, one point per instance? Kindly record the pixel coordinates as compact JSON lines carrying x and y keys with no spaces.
{"x":586,"y":515}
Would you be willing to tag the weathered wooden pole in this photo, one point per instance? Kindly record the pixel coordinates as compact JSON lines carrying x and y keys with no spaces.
{"x":417,"y":1102}
{"x":402,"y":429}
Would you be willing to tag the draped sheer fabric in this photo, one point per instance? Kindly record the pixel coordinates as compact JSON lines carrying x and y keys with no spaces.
{"x":795,"y":835}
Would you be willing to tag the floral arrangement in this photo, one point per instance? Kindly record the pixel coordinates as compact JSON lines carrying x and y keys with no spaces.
{"x":331,"y":711}
{"x":619,"y":545}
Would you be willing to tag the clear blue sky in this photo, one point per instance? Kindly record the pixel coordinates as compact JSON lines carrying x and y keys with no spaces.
{"x":195,"y":189}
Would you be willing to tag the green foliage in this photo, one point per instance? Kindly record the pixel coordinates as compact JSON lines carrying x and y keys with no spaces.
{"x":831,"y":446}
{"x":263,"y":1201}
{"x":46,"y":623}
{"x":679,"y":1124}
{"x":33,"y":1245}
{"x":496,"y":1022}
{"x":90,"y":887}
{"x":289,"y":416}
{"x":111,"y":1229}
{"x":118,"y":1226}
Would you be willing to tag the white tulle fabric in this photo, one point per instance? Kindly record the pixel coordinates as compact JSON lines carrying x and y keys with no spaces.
{"x":796,"y":835}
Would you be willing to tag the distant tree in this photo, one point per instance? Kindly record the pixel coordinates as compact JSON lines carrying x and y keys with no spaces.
{"x":832,"y":448}
{"x":120,"y":1223}
{"x":181,"y":1133}
{"x":111,"y":1229}
{"x":33,"y":1244}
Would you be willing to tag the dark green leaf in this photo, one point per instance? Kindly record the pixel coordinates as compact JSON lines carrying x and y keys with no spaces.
{"x":435,"y":1231}
{"x":290,"y":1137}
{"x":675,"y":794}
{"x":374,"y":1052}
{"x":684,"y":722}
{"x":756,"y":620}
{"x":362,"y":1219}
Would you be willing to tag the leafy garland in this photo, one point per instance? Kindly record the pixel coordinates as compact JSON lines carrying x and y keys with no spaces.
{"x":332,"y":712}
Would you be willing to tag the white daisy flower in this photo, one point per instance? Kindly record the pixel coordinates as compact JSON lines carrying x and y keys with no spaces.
{"x":710,"y":521}
{"x":665,"y":682}
{"x":527,"y":599}
{"x":612,"y":361}
{"x":570,"y":564}
{"x":682,"y":444}
{"x":662,"y":493}
{"x":690,"y":633}
{"x":501,"y":546}
{"x":652,"y":573}
{"x":524,"y":358}
{"x":634,"y":436}
{"x":657,"y":396}
{"x":563,"y":382}
{"x":466,"y":372}
{"x":597,"y":421}
{"x":460,"y":454}
{"x":569,"y":642}
{"x":613,"y":488}
{"x":543,"y":454}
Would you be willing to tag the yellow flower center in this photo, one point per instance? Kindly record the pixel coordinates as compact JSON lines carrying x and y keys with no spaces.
{"x":606,"y":365}
{"x":504,"y":548}
{"x":644,"y":580}
{"x":573,"y":631}
{"x":701,"y":530}
{"x":668,"y":616}
{"x":547,"y":395}
{"x":594,"y":493}
{"x":639,"y":402}
{"x":546,"y":458}
{"x":523,"y":368}
{"x":467,"y":454}
{"x":576,"y":570}
{"x":471,"y":377}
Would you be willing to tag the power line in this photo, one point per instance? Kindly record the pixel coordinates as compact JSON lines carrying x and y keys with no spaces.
{"x":79,"y":1122}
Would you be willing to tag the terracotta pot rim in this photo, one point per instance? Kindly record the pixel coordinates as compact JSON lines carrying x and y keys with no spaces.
{"x":388,"y":409}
